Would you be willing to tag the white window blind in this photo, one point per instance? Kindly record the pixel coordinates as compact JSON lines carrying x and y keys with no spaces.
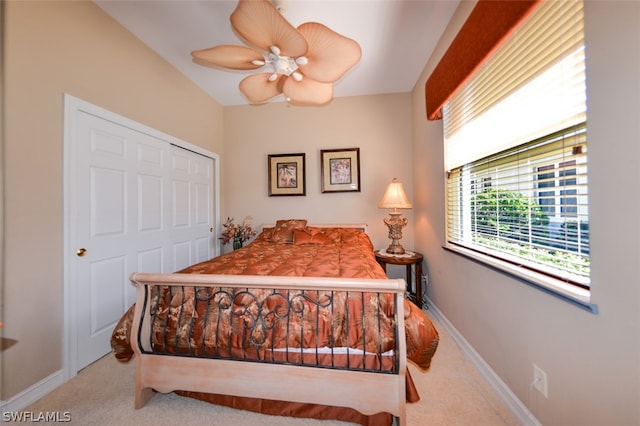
{"x":533,"y":85}
{"x":528,"y":205}
{"x":516,"y":151}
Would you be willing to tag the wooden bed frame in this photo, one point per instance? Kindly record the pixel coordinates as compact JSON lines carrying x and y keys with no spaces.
{"x":374,"y":392}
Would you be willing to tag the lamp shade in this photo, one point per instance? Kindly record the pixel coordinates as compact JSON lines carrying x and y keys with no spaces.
{"x":394,"y":197}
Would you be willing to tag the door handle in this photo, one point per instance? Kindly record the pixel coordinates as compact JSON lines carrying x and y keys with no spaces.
{"x":81,"y":252}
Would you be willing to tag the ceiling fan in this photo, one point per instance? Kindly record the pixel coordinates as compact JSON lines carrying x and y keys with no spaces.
{"x":302,"y":63}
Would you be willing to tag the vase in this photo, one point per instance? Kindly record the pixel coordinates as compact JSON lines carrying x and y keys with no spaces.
{"x":237,"y":243}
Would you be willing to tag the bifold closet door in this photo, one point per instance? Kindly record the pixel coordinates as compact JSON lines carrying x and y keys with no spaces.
{"x":140,"y":204}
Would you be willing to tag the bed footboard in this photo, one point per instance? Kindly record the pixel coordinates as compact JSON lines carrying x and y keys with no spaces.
{"x":279,"y":338}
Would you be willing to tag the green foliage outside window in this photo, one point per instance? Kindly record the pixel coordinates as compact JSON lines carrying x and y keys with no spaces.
{"x":510,"y":222}
{"x":508,"y":214}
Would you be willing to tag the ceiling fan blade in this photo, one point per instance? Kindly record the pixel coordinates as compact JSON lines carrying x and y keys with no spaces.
{"x":258,"y":89}
{"x":228,"y":56}
{"x":259,"y":23}
{"x":307,"y":92}
{"x":330,"y":54}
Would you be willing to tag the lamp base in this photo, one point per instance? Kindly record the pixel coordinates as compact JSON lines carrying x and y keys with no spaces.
{"x":395,"y":249}
{"x":395,"y":224}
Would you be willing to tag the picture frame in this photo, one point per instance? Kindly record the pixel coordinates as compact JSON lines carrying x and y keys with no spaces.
{"x":287,"y":175}
{"x":340,"y":170}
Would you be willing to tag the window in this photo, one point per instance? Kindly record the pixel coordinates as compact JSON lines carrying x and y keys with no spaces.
{"x":559,"y":185}
{"x":516,"y":154}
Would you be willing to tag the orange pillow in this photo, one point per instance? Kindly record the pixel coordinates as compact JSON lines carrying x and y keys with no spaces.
{"x":304,"y":237}
{"x":265,"y":235}
{"x":283,"y":231}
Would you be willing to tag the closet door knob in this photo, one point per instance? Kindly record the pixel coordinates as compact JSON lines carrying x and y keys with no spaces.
{"x":81,"y":252}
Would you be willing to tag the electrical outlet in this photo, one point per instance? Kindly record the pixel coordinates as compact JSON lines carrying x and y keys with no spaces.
{"x":540,"y":380}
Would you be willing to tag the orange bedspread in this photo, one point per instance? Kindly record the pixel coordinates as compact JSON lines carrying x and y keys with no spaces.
{"x":320,"y":252}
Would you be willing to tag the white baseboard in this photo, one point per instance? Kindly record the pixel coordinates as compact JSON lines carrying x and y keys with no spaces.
{"x":32,"y":394}
{"x":519,"y":410}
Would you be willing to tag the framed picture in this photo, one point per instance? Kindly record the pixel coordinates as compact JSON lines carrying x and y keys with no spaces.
{"x":287,"y":175}
{"x":340,"y":170}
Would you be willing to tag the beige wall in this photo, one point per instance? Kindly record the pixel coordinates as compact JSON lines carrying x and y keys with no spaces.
{"x":592,"y":361}
{"x":52,"y":48}
{"x":379,"y":125}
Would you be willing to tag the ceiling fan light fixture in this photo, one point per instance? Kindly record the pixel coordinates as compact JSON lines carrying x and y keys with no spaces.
{"x":282,"y":64}
{"x":313,"y":55}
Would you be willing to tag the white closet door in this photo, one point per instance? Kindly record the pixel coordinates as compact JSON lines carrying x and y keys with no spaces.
{"x":141,"y":204}
{"x":188,"y":226}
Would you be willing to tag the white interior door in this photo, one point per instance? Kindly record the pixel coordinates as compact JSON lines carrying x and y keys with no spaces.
{"x":190,"y":203}
{"x":138,"y":203}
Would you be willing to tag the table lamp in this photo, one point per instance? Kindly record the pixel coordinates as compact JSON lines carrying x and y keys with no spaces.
{"x":395,"y":198}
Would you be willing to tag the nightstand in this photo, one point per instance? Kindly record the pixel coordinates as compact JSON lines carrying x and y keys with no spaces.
{"x":409,"y":258}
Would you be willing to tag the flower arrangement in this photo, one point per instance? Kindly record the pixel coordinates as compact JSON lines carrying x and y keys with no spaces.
{"x":237,"y":233}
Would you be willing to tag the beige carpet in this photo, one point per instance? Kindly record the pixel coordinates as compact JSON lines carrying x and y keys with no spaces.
{"x":452,"y":393}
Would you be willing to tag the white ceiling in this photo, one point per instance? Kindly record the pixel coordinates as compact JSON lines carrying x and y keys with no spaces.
{"x":396,"y":37}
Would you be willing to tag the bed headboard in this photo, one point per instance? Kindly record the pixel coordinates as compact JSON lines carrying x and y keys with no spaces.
{"x":360,"y":226}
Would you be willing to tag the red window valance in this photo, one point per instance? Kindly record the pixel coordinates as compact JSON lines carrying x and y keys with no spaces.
{"x":488,"y":24}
